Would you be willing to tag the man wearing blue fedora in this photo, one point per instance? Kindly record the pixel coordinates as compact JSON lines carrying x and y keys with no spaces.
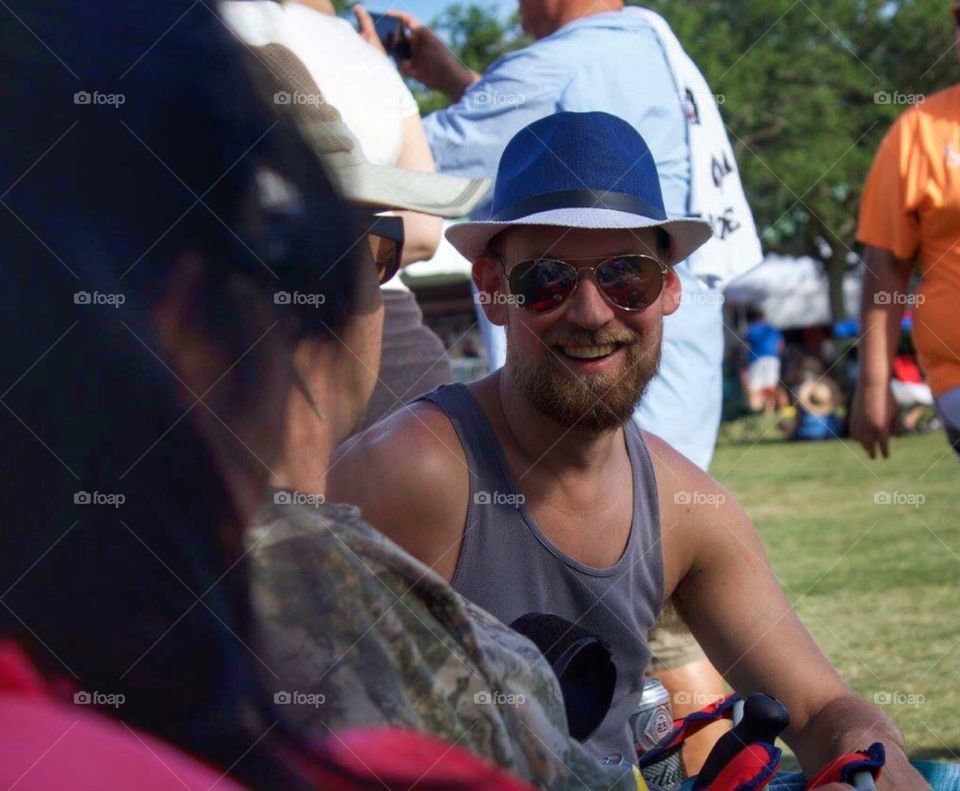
{"x":533,"y":491}
{"x":600,"y":55}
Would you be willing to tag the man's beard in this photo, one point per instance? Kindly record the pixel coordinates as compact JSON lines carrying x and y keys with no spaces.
{"x":594,"y":403}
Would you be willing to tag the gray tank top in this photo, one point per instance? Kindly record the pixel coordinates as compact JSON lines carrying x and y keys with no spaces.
{"x":510,"y":568}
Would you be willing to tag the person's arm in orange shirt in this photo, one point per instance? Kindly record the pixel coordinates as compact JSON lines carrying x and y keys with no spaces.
{"x":885,"y":279}
{"x":889,"y":228}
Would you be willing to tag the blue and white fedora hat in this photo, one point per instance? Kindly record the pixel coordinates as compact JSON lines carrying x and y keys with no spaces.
{"x":578,"y":170}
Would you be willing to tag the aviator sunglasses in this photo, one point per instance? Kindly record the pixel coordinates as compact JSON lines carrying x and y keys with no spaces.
{"x":628,"y":282}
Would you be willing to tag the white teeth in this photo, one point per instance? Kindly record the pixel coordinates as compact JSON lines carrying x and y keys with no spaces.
{"x":589,"y":352}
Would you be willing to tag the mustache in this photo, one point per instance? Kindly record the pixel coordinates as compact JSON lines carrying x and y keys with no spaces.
{"x":598,"y":338}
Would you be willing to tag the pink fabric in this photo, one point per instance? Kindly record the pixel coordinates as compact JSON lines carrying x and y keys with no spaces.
{"x":46,"y":745}
{"x":400,"y":760}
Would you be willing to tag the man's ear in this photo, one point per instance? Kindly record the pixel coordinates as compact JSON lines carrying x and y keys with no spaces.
{"x":174,"y":315}
{"x":488,"y":277}
{"x":672,"y":292}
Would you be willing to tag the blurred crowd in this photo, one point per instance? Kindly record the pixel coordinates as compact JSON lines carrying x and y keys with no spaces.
{"x":810,"y":381}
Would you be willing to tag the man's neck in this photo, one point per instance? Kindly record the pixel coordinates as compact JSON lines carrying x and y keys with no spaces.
{"x":582,"y":10}
{"x":539,"y":440}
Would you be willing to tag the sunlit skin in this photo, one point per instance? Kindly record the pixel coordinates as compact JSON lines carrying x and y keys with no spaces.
{"x":433,"y":64}
{"x":540,"y":18}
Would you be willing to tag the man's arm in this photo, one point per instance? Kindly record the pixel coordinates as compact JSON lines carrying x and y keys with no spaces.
{"x":886,"y":279}
{"x":432,"y":62}
{"x":421,"y":232}
{"x":408,"y":474}
{"x":468,"y":137}
{"x":728,"y":594}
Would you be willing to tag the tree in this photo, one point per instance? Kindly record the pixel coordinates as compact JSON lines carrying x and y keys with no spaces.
{"x":476,"y":35}
{"x":809,"y":87}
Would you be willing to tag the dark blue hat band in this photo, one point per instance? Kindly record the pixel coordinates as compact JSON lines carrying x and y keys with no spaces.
{"x":579,"y":199}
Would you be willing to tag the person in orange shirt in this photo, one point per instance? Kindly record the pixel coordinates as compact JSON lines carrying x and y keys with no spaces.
{"x":910,"y":220}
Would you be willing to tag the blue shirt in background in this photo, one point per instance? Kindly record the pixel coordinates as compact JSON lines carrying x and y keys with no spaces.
{"x":763,"y":340}
{"x":610,"y":62}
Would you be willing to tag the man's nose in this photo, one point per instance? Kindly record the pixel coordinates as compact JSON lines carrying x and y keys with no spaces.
{"x":588,"y":308}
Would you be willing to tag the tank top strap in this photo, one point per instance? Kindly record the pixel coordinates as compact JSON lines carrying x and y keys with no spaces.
{"x":646,"y":508}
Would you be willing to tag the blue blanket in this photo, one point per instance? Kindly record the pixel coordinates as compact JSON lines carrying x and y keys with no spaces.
{"x":940,"y":776}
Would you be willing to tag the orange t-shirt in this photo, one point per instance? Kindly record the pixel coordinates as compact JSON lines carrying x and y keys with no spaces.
{"x":911,"y":207}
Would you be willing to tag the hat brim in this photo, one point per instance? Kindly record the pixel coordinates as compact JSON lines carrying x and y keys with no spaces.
{"x":805,"y":400}
{"x":687,"y":234}
{"x":385,"y":186}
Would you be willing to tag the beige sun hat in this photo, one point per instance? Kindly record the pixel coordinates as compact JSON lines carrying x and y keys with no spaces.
{"x":819,"y":397}
{"x":287,"y":82}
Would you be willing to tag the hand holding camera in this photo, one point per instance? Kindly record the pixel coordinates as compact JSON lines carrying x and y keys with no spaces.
{"x":419,"y":52}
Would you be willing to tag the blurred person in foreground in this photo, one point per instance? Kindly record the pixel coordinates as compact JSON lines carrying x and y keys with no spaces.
{"x":533,"y":490}
{"x":146,"y":373}
{"x":379,"y":109}
{"x":591,"y":55}
{"x":908,"y":224}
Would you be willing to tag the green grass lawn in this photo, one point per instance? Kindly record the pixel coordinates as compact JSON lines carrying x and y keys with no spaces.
{"x":876,"y":584}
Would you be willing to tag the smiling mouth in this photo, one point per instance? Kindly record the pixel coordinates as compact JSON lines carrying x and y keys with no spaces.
{"x":589,"y":352}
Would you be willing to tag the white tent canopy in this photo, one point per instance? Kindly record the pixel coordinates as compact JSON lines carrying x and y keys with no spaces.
{"x":792,"y":292}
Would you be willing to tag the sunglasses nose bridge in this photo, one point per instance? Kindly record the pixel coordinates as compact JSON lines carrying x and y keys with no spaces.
{"x":587,"y":305}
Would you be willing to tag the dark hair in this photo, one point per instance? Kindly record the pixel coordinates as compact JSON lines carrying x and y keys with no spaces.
{"x":121,"y":151}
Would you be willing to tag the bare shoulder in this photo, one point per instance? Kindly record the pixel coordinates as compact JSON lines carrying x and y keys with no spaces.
{"x":408,"y":474}
{"x":420,"y":434}
{"x":676,"y":474}
{"x":696,"y":510}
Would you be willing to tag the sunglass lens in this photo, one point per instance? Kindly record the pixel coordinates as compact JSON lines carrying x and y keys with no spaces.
{"x":542,"y":284}
{"x":384,"y":256}
{"x":631,"y":282}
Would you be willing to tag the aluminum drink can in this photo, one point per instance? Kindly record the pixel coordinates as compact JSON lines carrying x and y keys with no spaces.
{"x":651,"y":722}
